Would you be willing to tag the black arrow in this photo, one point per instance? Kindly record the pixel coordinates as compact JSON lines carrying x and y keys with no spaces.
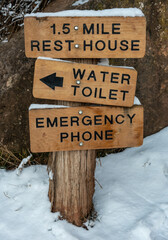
{"x":53,"y":81}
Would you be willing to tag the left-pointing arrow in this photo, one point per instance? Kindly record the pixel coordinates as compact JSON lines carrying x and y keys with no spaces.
{"x":52,"y":81}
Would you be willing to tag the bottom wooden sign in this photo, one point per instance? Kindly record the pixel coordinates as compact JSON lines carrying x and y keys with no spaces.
{"x":81,"y":128}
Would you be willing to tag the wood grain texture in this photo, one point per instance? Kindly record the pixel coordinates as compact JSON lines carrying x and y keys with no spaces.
{"x":110,"y":37}
{"x":63,"y":129}
{"x":99,"y":84}
{"x":72,"y":187}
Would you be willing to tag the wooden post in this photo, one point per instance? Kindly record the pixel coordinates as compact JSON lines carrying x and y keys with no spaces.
{"x":71,"y":186}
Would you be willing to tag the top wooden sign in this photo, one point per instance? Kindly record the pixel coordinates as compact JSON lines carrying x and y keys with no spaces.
{"x":84,"y":37}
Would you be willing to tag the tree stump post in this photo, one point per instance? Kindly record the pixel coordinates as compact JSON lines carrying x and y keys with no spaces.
{"x":71,"y":187}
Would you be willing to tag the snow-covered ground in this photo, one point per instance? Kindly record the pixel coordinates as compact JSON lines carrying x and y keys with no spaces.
{"x":132,"y":205}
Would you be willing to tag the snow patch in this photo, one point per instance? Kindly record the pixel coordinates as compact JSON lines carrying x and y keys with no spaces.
{"x":23,"y":162}
{"x":102,"y":62}
{"x":80,"y":2}
{"x":42,"y":106}
{"x":51,"y":175}
{"x":114,"y":12}
{"x":105,"y":62}
{"x":137,"y":101}
{"x":53,"y":59}
{"x":5,"y":40}
{"x":49,"y":106}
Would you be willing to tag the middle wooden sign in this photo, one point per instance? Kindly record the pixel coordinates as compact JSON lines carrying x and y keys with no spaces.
{"x":62,"y":80}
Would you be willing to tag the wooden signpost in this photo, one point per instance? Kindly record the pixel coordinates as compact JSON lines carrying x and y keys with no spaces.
{"x":69,"y":81}
{"x":86,"y":37}
{"x":72,"y":133}
{"x":82,"y":128}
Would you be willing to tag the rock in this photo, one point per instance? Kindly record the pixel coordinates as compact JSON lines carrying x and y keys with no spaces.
{"x":16,"y":73}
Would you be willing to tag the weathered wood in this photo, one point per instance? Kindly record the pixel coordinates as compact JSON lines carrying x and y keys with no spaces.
{"x":69,"y":81}
{"x":83,"y":128}
{"x":89,"y":37}
{"x":72,"y":187}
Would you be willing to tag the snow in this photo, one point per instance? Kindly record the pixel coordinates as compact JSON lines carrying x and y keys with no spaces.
{"x":53,"y":59}
{"x":23,"y":162}
{"x":51,"y":175}
{"x":49,"y":106}
{"x":80,"y":2}
{"x":105,"y":62}
{"x":5,"y":40}
{"x":44,"y":106}
{"x":131,"y":205}
{"x":114,"y":12}
{"x":136,"y":101}
{"x":102,"y":62}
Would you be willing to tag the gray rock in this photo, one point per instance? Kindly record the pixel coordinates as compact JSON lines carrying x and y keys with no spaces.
{"x":16,"y":75}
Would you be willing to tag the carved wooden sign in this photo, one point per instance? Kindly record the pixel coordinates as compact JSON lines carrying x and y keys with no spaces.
{"x":81,"y":128}
{"x":52,"y":35}
{"x":68,"y":81}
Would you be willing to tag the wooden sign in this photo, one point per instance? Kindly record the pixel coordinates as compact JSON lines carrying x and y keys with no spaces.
{"x":81,"y":128}
{"x":77,"y":82}
{"x":84,"y":37}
